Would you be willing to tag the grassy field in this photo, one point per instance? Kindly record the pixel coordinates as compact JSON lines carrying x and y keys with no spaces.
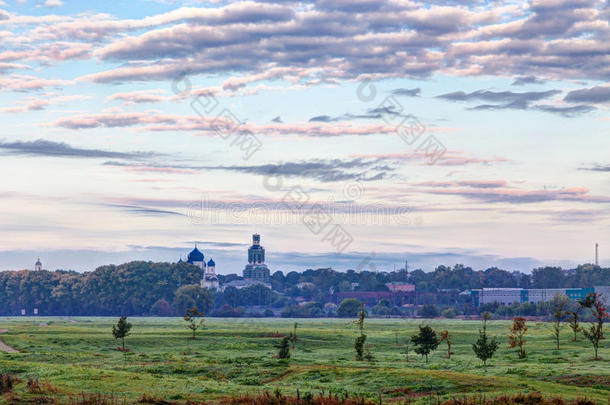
{"x":237,"y":356}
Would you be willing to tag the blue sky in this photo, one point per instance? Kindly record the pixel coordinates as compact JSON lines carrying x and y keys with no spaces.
{"x":120,"y":140}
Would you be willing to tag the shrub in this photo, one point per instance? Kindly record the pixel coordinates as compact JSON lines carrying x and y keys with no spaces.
{"x":449,"y":313}
{"x":349,"y":308}
{"x":429,"y":311}
{"x":284,"y":348}
{"x":161,"y":308}
{"x":7,"y":382}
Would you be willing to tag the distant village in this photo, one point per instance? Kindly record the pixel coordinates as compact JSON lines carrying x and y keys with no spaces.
{"x":395,"y":292}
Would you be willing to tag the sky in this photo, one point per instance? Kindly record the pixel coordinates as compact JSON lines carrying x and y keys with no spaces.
{"x":349,"y":134}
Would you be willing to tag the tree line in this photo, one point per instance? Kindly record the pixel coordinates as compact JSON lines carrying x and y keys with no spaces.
{"x":166,"y":289}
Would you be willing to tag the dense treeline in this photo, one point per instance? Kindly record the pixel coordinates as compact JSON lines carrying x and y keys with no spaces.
{"x":128,"y":289}
{"x":147,"y":288}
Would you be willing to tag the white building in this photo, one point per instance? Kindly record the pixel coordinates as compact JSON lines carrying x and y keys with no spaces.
{"x":210,"y":279}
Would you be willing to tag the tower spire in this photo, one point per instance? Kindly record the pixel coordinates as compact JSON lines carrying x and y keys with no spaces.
{"x":597,"y":254}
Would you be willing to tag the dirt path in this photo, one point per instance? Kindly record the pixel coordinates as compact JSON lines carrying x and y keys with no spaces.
{"x":5,"y":348}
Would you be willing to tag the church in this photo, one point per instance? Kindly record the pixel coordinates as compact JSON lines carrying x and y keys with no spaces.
{"x":209,"y":280}
{"x":256,"y":269}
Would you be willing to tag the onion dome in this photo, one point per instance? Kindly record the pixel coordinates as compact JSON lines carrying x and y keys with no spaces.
{"x":211,"y":263}
{"x":195,"y":256}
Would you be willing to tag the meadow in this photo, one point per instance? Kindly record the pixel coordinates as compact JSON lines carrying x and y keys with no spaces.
{"x":237,"y":356}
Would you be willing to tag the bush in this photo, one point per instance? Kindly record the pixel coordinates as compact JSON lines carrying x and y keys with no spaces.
{"x":7,"y":382}
{"x":449,"y":313}
{"x":429,"y":311}
{"x":161,"y":308}
{"x":349,"y":308}
{"x":227,"y":311}
{"x":268,"y":313}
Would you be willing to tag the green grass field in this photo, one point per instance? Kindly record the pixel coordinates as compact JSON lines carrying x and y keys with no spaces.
{"x":237,"y":356}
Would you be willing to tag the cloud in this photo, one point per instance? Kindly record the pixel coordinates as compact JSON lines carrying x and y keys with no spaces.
{"x":323,"y":42}
{"x":53,"y":3}
{"x":597,"y":168}
{"x":597,"y":94}
{"x":407,"y":92}
{"x":277,"y":120}
{"x":508,"y":100}
{"x":508,"y":97}
{"x":449,"y":158}
{"x":156,"y":121}
{"x":137,"y":97}
{"x":114,"y":119}
{"x":519,"y":196}
{"x":15,"y":82}
{"x":318,"y":169}
{"x":144,"y":210}
{"x":42,"y":147}
{"x":352,"y":41}
{"x":465,"y":183}
{"x":523,"y":80}
{"x":6,"y":67}
{"x":38,"y":103}
{"x":566,"y":111}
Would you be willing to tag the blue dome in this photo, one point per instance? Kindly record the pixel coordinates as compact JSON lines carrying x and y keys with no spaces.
{"x":211,"y":263}
{"x":195,"y":256}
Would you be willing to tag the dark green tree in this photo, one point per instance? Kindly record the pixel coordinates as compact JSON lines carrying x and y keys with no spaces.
{"x":121,"y":329}
{"x":349,"y":308}
{"x":360,"y":340}
{"x":191,"y":296}
{"x":484,"y":348}
{"x":425,"y":341}
{"x":284,"y":348}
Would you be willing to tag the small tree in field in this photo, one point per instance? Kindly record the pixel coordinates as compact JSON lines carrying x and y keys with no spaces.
{"x":359,"y":342}
{"x":574,"y":325}
{"x":293,"y":335}
{"x":558,"y":306}
{"x":484,"y":348}
{"x":595,"y":332}
{"x":284,"y":348}
{"x":121,"y":329}
{"x":190,"y":317}
{"x":425,"y":341}
{"x":446,"y":337}
{"x":515,"y":338}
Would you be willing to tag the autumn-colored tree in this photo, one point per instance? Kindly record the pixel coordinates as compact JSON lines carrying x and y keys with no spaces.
{"x":446,"y":337}
{"x":574,"y":324}
{"x":515,"y":338}
{"x":191,"y":316}
{"x":595,"y":332}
